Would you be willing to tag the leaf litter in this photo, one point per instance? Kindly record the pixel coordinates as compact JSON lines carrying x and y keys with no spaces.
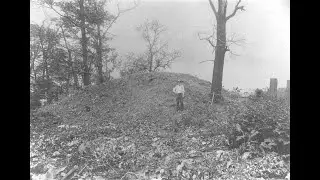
{"x":131,"y":134}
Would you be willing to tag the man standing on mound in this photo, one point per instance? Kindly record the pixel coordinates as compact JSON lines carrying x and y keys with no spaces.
{"x":179,"y":90}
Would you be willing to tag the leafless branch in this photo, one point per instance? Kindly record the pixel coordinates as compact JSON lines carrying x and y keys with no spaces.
{"x":50,"y":6}
{"x":227,"y":49}
{"x":205,"y":61}
{"x":64,"y":37}
{"x":119,"y":14}
{"x":157,"y":31}
{"x":236,"y":8}
{"x":232,"y":53}
{"x":161,"y":47}
{"x":234,"y":40}
{"x":165,"y":59}
{"x":213,"y":8}
{"x":210,"y":40}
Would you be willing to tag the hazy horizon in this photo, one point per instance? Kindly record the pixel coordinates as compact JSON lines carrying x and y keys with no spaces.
{"x":265,"y":25}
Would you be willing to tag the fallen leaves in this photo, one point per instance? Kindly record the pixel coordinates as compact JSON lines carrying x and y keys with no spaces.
{"x":133,"y":137}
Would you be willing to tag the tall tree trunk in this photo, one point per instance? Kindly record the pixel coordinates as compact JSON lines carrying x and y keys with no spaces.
{"x":68,"y":84}
{"x":220,"y":47}
{"x":74,"y":73}
{"x":34,"y":75}
{"x":32,"y":66}
{"x":99,"y":57}
{"x":44,"y":69}
{"x":70,"y":63}
{"x":150,"y":62}
{"x":107,"y":72}
{"x":32,"y":69}
{"x":86,"y":73}
{"x":47,"y":77}
{"x":35,"y":79}
{"x":220,"y":51}
{"x":75,"y":81}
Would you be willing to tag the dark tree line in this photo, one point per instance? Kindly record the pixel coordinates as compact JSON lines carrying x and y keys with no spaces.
{"x":71,"y":51}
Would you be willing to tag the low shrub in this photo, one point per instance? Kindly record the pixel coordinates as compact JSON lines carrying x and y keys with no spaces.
{"x":263,"y":127}
{"x":258,"y":93}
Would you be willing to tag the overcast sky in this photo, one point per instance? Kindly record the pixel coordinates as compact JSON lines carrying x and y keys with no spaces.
{"x":265,"y":25}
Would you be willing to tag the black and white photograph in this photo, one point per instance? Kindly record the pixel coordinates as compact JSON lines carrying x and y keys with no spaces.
{"x":159,"y":89}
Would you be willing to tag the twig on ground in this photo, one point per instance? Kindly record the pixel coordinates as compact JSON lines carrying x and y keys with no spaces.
{"x":129,"y":173}
{"x":82,"y":169}
{"x":110,"y":166}
{"x":70,"y":172}
{"x":78,"y":174}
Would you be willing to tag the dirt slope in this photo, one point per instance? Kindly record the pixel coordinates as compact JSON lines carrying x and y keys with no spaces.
{"x":131,"y":100}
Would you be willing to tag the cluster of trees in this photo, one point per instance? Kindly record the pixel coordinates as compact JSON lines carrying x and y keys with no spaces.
{"x":72,"y":51}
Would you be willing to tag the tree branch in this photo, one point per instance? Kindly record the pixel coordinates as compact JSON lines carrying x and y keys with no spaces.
{"x":236,"y":8}
{"x":50,"y":6}
{"x":210,"y":41}
{"x":166,"y":59}
{"x":161,"y":47}
{"x":205,"y":61}
{"x":235,"y":41}
{"x":232,"y":53}
{"x":213,"y":8}
{"x":118,"y":15}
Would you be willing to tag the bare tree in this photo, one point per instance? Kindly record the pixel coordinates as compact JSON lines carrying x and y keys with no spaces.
{"x":221,"y":46}
{"x":211,"y":39}
{"x":158,"y":53}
